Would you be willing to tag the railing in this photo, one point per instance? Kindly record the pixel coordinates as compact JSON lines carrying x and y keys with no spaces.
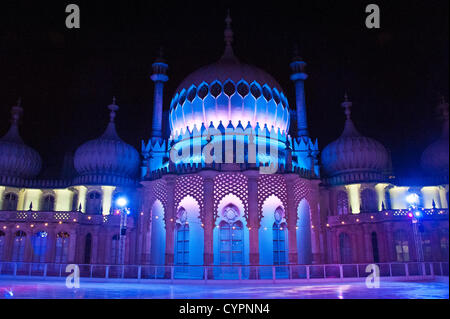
{"x":411,"y":270}
{"x":387,"y":215}
{"x":69,"y":217}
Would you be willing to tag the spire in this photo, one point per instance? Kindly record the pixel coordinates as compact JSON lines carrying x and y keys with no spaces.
{"x":228,"y":37}
{"x":349,"y":129}
{"x":13,"y":133}
{"x":111,"y":132}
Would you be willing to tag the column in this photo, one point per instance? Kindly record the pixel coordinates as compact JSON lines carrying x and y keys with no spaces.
{"x":253,"y":221}
{"x":170,"y":214}
{"x":292,"y":221}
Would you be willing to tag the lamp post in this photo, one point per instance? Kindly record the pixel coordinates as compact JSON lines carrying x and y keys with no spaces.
{"x":122,"y":202}
{"x":415,"y":214}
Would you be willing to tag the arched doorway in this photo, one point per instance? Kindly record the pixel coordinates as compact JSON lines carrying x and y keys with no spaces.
{"x":158,"y":234}
{"x":231,"y":238}
{"x":304,"y":249}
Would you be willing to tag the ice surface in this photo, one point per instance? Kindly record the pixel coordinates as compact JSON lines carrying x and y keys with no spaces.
{"x":46,"y":289}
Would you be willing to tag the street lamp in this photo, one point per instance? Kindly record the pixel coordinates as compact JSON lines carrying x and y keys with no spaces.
{"x":416,"y":215}
{"x":121,"y":203}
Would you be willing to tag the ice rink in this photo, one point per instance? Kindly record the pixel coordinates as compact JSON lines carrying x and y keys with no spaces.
{"x":25,"y":288}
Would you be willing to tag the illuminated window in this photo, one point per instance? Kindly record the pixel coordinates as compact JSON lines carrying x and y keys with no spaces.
{"x":401,"y":245}
{"x":345,"y":248}
{"x":48,"y":203}
{"x":10,"y":202}
{"x":2,"y":244}
{"x":231,"y":243}
{"x":19,"y":246}
{"x":39,"y":246}
{"x":94,"y":203}
{"x":62,"y":247}
{"x":369,"y":200}
{"x":279,"y":244}
{"x":342,"y":203}
{"x":115,"y":249}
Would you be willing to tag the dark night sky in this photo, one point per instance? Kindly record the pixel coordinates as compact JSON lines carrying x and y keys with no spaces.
{"x":66,"y":78}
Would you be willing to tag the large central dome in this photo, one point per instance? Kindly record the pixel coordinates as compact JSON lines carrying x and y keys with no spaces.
{"x":229,"y":91}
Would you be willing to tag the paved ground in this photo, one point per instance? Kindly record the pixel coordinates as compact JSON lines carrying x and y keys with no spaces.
{"x":21,"y":288}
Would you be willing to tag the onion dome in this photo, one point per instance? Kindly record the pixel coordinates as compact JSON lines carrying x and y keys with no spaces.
{"x":228,"y":90}
{"x":17,"y":160}
{"x":435,"y":157}
{"x":354,"y":158}
{"x":108,"y":159}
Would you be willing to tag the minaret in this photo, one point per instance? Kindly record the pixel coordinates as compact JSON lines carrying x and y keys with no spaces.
{"x":159,"y":77}
{"x":298,"y":77}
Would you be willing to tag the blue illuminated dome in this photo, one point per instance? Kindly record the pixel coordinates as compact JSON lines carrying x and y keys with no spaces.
{"x":229,"y":91}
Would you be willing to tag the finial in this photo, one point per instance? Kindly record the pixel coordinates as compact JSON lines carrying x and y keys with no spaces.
{"x":113,"y":108}
{"x":347,"y":106}
{"x":16,"y":111}
{"x":228,"y":35}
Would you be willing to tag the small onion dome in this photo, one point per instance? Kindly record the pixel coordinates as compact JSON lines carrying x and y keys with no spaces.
{"x":17,"y":160}
{"x":228,"y":90}
{"x":435,"y":157}
{"x":353,"y":157}
{"x":108,"y":159}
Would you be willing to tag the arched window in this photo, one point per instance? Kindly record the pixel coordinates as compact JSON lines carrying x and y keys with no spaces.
{"x":39,"y":246}
{"x":342,"y":203}
{"x":376,"y":255}
{"x":19,"y":246}
{"x":345,"y":248}
{"x":87,"y":249}
{"x":231,"y":243}
{"x":115,"y":242}
{"x":369,"y":200}
{"x":401,"y":245}
{"x":182,"y":238}
{"x":279,"y":238}
{"x":48,"y":203}
{"x":2,"y":245}
{"x":94,"y":203}
{"x":62,"y":247}
{"x":75,"y":202}
{"x":10,"y":202}
{"x":426,"y":246}
{"x":444,"y":244}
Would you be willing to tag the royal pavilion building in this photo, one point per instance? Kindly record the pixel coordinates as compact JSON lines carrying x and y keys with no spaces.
{"x":238,"y":181}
